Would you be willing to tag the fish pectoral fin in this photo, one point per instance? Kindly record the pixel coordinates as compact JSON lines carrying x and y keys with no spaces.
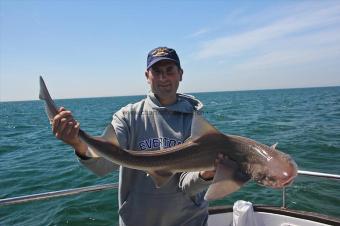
{"x":227,"y":180}
{"x":160,"y":177}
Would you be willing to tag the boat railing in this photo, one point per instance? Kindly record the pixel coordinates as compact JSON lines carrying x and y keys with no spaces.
{"x":102,"y":187}
{"x":312,"y":174}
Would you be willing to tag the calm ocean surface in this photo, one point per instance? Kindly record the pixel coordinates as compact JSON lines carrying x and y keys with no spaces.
{"x":304,"y":122}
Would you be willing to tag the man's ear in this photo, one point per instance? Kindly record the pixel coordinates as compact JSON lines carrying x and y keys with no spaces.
{"x":181,"y":74}
{"x":147,"y":76}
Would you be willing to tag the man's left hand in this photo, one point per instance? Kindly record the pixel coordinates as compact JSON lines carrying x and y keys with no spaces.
{"x":209,"y":175}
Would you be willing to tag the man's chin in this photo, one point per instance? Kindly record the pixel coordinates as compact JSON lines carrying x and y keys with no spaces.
{"x":166,"y":91}
{"x":164,"y":94}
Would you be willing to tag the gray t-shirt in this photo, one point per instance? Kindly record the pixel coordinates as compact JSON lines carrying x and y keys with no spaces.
{"x":146,"y":125}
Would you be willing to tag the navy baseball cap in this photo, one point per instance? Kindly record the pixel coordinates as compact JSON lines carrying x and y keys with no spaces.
{"x":162,"y":53}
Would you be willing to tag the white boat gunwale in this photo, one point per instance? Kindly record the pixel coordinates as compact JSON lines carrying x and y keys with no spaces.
{"x":312,"y":216}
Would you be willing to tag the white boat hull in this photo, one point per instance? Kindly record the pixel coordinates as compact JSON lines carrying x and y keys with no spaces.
{"x":272,"y":216}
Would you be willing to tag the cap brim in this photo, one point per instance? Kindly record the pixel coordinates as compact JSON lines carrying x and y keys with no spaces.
{"x":159,"y":59}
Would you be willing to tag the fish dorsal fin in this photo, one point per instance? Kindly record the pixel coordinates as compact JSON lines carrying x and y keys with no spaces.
{"x":160,"y":177}
{"x":274,"y":146}
{"x":109,"y":134}
{"x":200,"y":127}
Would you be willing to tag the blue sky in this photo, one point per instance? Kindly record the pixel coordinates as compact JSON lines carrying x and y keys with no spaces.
{"x":99,"y":48}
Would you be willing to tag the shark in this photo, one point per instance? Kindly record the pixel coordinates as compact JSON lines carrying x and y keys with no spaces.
{"x":265,"y":165}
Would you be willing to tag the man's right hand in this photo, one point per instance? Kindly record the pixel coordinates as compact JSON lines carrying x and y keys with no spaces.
{"x":66,"y":128}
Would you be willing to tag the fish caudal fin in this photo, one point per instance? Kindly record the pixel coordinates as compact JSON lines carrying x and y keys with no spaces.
{"x":227,"y":180}
{"x":160,"y":177}
{"x":50,"y":107}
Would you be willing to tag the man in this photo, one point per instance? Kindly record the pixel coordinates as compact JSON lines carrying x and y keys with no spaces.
{"x":163,"y":119}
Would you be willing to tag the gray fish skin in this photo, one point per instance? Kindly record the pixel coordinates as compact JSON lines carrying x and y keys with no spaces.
{"x":263,"y":164}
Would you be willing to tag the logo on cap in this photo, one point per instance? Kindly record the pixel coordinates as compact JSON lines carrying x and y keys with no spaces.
{"x":160,"y":52}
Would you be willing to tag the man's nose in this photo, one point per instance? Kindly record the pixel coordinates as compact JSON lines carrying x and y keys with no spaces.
{"x":162,"y":75}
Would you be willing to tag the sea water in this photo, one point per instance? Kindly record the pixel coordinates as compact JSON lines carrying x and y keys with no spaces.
{"x":304,"y":122}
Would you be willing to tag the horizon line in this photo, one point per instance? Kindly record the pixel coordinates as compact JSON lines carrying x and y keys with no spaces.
{"x":195,"y":92}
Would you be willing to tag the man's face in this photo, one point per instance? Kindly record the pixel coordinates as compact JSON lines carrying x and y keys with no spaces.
{"x":164,"y":78}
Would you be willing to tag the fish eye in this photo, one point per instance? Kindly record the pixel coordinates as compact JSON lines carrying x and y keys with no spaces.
{"x":260,"y":178}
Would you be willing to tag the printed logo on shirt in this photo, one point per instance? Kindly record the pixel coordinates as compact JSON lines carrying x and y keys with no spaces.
{"x":157,"y":143}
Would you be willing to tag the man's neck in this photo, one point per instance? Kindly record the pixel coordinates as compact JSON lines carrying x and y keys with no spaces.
{"x":167,"y":101}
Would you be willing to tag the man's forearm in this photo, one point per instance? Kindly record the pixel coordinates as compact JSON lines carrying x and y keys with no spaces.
{"x":192,"y":183}
{"x":81,"y":150}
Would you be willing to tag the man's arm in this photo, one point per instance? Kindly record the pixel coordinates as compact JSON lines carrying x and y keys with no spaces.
{"x":118,"y":128}
{"x":193,"y":183}
{"x":66,"y":128}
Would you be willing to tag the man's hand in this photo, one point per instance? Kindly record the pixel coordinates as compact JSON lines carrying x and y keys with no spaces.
{"x":66,"y":128}
{"x":209,"y":175}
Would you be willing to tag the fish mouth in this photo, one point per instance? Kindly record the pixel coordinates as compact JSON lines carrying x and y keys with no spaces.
{"x":284,"y":183}
{"x":288,"y":182}
{"x":279,"y":177}
{"x":276,"y":182}
{"x":291,"y":177}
